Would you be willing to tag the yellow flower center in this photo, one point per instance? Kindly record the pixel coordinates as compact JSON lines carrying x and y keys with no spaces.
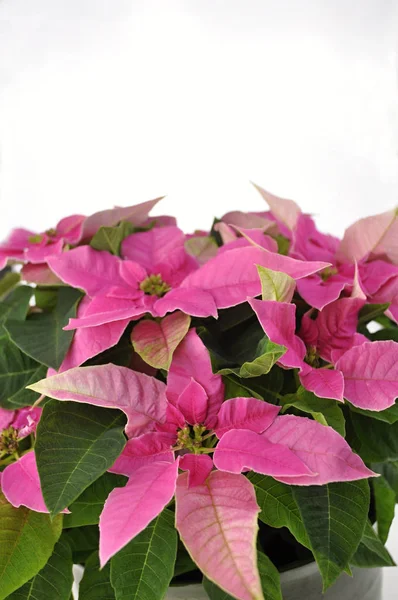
{"x":8,"y":441}
{"x":154,"y":286}
{"x":328,"y":272}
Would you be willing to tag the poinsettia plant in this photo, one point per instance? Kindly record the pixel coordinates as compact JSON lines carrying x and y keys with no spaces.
{"x":210,"y":407}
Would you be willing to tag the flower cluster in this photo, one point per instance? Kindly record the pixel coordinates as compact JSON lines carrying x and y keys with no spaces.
{"x":252,"y":370}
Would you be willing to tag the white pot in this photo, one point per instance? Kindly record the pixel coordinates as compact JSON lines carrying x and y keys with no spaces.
{"x":304,"y":583}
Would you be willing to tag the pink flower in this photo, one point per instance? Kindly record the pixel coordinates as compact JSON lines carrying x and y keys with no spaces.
{"x":20,"y":481}
{"x":36,"y":248}
{"x":180,"y":426}
{"x":364,"y":372}
{"x":278,"y":319}
{"x":157,"y":276}
{"x":23,"y":420}
{"x":30,"y":247}
{"x":147,"y":280}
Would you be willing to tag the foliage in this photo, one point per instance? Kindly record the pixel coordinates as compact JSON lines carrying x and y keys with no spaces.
{"x":199,"y":400}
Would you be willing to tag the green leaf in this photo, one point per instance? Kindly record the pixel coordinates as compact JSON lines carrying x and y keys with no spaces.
{"x":110,"y":238}
{"x":389,"y":333}
{"x":122,"y":354}
{"x":334,"y":516}
{"x":283,"y":244}
{"x":389,"y":471}
{"x":88,"y":506}
{"x":16,"y":369}
{"x":385,"y":499}
{"x":278,"y":506}
{"x":236,"y":389}
{"x":269,"y":386}
{"x":323,"y":410}
{"x":389,"y":415}
{"x":41,"y":336}
{"x":270,"y":581}
{"x":54,"y":581}
{"x":46,"y":297}
{"x":27,"y":539}
{"x":270,"y":578}
{"x":83,"y":542}
{"x":16,"y":372}
{"x":374,"y":440}
{"x":275,"y":285}
{"x":143,"y":569}
{"x":267,"y":354}
{"x":236,"y":344}
{"x":371,"y":551}
{"x":96,"y":583}
{"x":75,"y":444}
{"x":8,"y":282}
{"x":15,"y":306}
{"x":231,"y":317}
{"x":184,"y":563}
{"x":369,"y":312}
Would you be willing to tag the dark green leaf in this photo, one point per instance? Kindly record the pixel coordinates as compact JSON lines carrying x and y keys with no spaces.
{"x":54,"y":581}
{"x":16,"y":305}
{"x":184,"y":563}
{"x":88,"y":506}
{"x":389,"y":333}
{"x":278,"y":506}
{"x":244,"y":343}
{"x":371,"y":552}
{"x":96,"y":583}
{"x":8,"y":282}
{"x":83,"y":542}
{"x":41,"y":336}
{"x":76,"y":444}
{"x":143,"y":569}
{"x":110,"y":238}
{"x":27,"y":540}
{"x":375,"y":440}
{"x":389,"y":415}
{"x":236,"y":389}
{"x":270,"y":578}
{"x":385,"y":499}
{"x":389,"y":470}
{"x":122,"y":354}
{"x":236,"y":315}
{"x":16,"y":372}
{"x":334,"y":517}
{"x":266,"y":355}
{"x":323,"y":410}
{"x":369,"y":312}
{"x":270,"y":581}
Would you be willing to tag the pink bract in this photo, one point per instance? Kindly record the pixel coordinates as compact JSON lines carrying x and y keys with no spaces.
{"x":173,"y":419}
{"x":198,"y":321}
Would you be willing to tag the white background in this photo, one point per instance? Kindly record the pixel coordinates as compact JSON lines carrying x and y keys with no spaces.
{"x":107,"y":102}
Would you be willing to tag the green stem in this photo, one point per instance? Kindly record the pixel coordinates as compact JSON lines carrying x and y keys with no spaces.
{"x":7,"y":461}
